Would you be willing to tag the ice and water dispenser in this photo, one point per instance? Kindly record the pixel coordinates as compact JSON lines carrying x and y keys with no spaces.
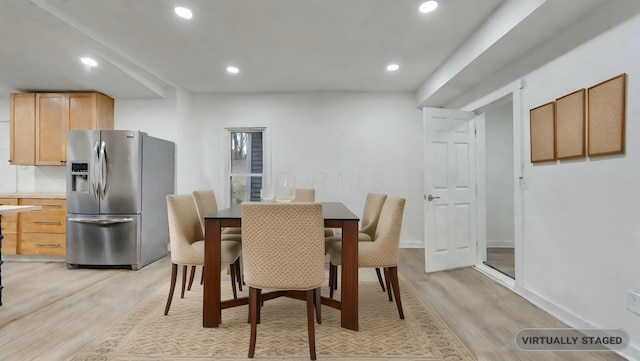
{"x":80,"y":177}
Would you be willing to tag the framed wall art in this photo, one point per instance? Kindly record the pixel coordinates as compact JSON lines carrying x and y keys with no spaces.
{"x":542,"y":132}
{"x":606,"y":109}
{"x":570,"y":125}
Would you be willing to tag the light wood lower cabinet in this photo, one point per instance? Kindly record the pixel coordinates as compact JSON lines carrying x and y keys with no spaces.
{"x":41,"y":232}
{"x":9,"y":227}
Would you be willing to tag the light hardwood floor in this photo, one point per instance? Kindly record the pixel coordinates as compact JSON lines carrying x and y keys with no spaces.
{"x":50,"y":313}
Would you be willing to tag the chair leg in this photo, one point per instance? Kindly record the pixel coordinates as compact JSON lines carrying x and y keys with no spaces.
{"x":335,"y":278}
{"x":233,"y":281}
{"x":386,"y":277}
{"x":333,"y":269}
{"x":191,"y":276}
{"x":393,"y":273}
{"x":310,"y":325}
{"x":184,"y":280}
{"x":238,"y":274}
{"x":380,"y":279}
{"x":202,"y":276}
{"x":174,"y":275}
{"x":253,"y":319}
{"x":318,"y":304}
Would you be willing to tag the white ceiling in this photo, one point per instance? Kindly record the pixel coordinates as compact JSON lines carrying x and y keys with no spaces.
{"x":143,"y":49}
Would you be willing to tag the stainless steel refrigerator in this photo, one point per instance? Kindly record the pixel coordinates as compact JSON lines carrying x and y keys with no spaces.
{"x":117,"y":182}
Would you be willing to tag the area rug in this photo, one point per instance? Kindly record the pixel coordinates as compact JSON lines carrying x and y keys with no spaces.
{"x":144,"y":333}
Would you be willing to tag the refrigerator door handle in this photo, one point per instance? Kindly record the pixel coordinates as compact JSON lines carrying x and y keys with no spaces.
{"x":103,"y":170}
{"x":95,"y":184}
{"x":101,"y":221}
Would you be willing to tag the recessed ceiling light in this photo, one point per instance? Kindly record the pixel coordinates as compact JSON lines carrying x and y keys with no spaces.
{"x":88,"y":61}
{"x":233,"y":69}
{"x":183,"y":12}
{"x":393,"y":67}
{"x":428,"y":6}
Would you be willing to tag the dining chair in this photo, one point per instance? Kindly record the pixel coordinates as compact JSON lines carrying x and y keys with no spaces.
{"x":187,"y":244}
{"x":309,"y":195}
{"x":283,"y":250}
{"x":305,"y":195}
{"x":382,"y":252}
{"x":206,"y":204}
{"x":370,"y":216}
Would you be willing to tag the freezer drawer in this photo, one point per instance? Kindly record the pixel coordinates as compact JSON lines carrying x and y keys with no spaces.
{"x":103,"y":240}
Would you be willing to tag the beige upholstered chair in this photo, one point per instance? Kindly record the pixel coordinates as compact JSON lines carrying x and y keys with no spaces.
{"x":309,"y":195}
{"x":206,"y":204}
{"x":305,"y":195}
{"x":187,"y":244}
{"x":382,"y":251}
{"x":372,"y":208}
{"x":283,"y":250}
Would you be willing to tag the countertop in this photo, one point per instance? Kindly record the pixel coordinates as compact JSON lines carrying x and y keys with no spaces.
{"x":17,"y":209}
{"x":51,"y":195}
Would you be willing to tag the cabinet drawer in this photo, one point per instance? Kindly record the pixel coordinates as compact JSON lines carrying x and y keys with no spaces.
{"x":43,"y":222}
{"x":9,"y":217}
{"x":9,"y":243}
{"x":9,"y":227}
{"x":56,"y":205}
{"x":51,"y":244}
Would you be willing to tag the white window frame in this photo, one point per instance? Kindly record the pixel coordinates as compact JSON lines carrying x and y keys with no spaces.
{"x":226,"y":154}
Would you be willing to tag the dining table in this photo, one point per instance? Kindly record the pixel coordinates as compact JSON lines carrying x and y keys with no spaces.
{"x":335,"y":214}
{"x":4,"y":209}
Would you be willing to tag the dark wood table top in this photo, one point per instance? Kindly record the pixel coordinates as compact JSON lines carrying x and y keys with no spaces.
{"x":330,"y":211}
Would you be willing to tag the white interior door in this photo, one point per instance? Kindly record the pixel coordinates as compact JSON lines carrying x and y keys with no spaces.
{"x":450,"y":189}
{"x":7,"y":172}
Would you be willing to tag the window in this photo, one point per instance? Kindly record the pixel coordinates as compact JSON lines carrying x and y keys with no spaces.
{"x":246,"y":164}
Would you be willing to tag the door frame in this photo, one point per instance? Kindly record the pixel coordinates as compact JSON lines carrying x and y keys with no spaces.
{"x":479,"y":106}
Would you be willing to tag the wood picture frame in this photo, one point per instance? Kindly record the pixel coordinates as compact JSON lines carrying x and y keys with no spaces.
{"x":607,"y":115}
{"x":542,"y":133}
{"x":570,"y":125}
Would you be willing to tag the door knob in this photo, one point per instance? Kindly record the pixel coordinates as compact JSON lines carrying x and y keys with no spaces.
{"x":430,"y":197}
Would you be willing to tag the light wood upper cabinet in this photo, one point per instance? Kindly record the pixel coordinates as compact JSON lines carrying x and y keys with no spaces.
{"x":23,"y":129}
{"x":52,"y":124}
{"x":45,"y":119}
{"x":90,"y":111}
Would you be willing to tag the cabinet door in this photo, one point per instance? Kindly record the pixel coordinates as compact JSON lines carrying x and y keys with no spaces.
{"x":9,"y":228}
{"x":104,"y":113}
{"x":52,"y":124}
{"x":23,"y":129}
{"x":82,"y":111}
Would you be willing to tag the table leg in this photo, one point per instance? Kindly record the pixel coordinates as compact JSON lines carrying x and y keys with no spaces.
{"x":349,"y":283}
{"x":211,"y":300}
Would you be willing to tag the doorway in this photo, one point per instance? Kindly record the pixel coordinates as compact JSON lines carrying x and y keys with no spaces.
{"x":500,"y":238}
{"x":465,"y":227}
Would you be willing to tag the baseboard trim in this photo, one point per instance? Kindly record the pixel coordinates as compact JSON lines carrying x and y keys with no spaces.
{"x":31,"y":258}
{"x":631,"y":353}
{"x":500,"y":244}
{"x":411,"y":244}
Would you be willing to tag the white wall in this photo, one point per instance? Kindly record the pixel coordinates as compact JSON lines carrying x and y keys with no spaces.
{"x":167,"y":119}
{"x":342,"y":144}
{"x":7,"y":171}
{"x":500,"y":174}
{"x":581,"y":239}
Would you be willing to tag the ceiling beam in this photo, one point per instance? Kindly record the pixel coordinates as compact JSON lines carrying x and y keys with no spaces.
{"x":506,"y":18}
